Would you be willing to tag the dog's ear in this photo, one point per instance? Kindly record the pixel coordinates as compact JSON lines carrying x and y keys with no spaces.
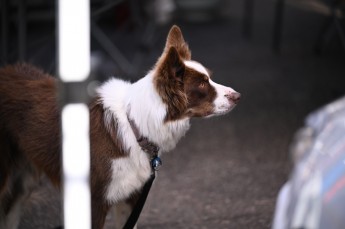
{"x":175,"y":39}
{"x":170,"y":66}
{"x":174,"y":64}
{"x":168,"y":80}
{"x":170,"y":69}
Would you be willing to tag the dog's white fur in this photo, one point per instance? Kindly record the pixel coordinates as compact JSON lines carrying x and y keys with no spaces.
{"x":143,"y":105}
{"x":222,"y":105}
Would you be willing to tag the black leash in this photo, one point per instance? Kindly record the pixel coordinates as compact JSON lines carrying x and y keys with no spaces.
{"x":133,"y":218}
{"x":155,"y":163}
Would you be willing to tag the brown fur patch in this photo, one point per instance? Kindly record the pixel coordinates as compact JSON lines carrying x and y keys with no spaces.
{"x":30,"y":136}
{"x":169,"y":84}
{"x":200,"y":94}
{"x":28,"y":114}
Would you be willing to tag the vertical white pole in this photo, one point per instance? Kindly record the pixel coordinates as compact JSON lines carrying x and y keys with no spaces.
{"x":74,"y":66}
{"x":74,"y":39}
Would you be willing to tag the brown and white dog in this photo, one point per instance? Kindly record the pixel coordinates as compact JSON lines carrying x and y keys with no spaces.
{"x":160,"y":104}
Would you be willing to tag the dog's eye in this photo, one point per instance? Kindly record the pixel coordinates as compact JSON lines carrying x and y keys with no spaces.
{"x":202,"y":84}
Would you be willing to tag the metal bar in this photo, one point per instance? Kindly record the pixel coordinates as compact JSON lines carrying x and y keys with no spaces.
{"x":326,"y":29}
{"x":278,"y":24}
{"x":74,"y":69}
{"x":21,"y":30}
{"x":4,"y":30}
{"x":339,"y":28}
{"x":106,"y":7}
{"x":248,"y":18}
{"x":111,"y":49}
{"x":321,"y":38}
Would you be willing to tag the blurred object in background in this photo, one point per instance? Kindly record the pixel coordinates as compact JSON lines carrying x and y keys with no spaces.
{"x":199,"y":11}
{"x":27,"y":25}
{"x":164,"y":10}
{"x":314,"y":196}
{"x":333,"y":10}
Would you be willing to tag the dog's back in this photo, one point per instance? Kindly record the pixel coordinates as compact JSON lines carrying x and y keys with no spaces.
{"x":28,"y":116}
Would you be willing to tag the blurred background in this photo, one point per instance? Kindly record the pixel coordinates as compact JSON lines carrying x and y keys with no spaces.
{"x":286,"y":58}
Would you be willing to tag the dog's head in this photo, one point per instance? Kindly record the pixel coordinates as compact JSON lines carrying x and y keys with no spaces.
{"x":186,"y":86}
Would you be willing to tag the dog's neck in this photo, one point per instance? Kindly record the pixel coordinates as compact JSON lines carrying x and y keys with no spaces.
{"x":147,"y":146}
{"x":141,"y":103}
{"x":149,"y":112}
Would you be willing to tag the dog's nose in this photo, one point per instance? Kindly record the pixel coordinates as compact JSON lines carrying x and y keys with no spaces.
{"x":234,"y":97}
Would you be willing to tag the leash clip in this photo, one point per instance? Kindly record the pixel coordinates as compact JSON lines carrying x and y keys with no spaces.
{"x":156,"y":163}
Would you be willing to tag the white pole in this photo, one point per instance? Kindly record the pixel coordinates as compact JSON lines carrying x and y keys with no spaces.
{"x":74,"y":39}
{"x":74,"y":66}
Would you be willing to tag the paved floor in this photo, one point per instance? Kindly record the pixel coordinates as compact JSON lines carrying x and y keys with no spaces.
{"x":227,"y":171}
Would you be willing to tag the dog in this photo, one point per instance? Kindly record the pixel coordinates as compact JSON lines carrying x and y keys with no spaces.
{"x":159,"y":105}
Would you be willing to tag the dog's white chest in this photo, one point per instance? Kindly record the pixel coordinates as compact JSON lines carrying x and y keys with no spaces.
{"x":129,"y":174}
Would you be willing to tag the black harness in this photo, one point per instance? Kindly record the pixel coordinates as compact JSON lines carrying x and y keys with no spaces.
{"x":151,"y":149}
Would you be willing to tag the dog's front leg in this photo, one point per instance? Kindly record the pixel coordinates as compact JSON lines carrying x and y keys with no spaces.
{"x":99,"y":213}
{"x":123,"y":210}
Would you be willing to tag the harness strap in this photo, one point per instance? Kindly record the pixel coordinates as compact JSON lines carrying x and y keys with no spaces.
{"x":149,"y":147}
{"x":155,"y":162}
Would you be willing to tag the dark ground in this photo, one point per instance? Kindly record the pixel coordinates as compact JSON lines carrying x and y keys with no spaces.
{"x":227,"y":171}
